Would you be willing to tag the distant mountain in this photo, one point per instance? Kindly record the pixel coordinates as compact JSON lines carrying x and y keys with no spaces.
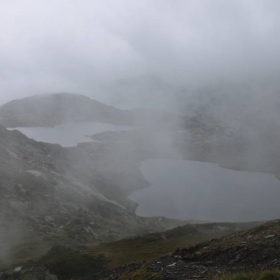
{"x":49,"y":110}
{"x":235,"y":126}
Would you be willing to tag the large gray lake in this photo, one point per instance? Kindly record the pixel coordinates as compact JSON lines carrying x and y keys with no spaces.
{"x":69,"y":134}
{"x":193,"y":190}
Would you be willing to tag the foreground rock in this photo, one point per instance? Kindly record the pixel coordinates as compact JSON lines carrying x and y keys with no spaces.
{"x":92,"y":263}
{"x":255,"y":249}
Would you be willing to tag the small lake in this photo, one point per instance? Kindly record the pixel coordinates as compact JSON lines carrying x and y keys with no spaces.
{"x":69,"y":134}
{"x":191,"y":190}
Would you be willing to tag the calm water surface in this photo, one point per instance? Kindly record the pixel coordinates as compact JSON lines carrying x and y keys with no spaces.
{"x":205,"y":191}
{"x":69,"y":134}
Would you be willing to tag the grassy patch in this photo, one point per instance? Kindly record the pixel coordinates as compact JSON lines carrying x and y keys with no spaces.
{"x":155,"y":245}
{"x":143,"y":248}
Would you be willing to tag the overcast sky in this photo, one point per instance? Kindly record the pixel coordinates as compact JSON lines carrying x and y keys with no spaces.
{"x":80,"y":46}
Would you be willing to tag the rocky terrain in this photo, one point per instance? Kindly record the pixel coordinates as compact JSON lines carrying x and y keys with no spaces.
{"x":121,"y":259}
{"x":257,"y":249}
{"x":51,"y":194}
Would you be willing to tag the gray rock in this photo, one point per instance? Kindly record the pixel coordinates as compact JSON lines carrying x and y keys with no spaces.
{"x":49,"y":219}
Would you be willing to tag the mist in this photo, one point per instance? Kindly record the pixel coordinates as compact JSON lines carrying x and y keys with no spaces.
{"x":135,"y":110}
{"x":214,"y":66}
{"x":87,"y":48}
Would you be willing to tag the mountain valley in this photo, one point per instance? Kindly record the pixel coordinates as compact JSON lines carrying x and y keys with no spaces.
{"x":73,"y":201}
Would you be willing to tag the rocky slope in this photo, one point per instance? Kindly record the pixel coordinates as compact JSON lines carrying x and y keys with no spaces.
{"x":64,"y":262}
{"x":50,"y":194}
{"x":257,"y":249}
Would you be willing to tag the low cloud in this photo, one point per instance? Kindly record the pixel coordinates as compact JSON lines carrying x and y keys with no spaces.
{"x":74,"y":46}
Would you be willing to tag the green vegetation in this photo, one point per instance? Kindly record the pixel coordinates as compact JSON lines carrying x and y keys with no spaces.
{"x":140,"y":248}
{"x":155,"y":245}
{"x":257,"y":275}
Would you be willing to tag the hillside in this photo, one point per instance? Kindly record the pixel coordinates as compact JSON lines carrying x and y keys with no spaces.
{"x":53,"y":109}
{"x":51,"y":195}
{"x":253,"y":251}
{"x":129,"y":254}
{"x":257,"y":249}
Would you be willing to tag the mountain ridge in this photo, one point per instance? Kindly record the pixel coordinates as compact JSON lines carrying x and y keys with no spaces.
{"x":56,"y":108}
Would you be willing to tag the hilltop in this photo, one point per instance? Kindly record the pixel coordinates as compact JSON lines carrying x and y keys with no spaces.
{"x":49,"y":110}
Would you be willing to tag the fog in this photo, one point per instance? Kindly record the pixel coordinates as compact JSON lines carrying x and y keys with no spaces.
{"x":208,"y":70}
{"x":89,"y":47}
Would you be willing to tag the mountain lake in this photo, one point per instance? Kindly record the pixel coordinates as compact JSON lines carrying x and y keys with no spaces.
{"x":182,"y":189}
{"x":69,"y":134}
{"x":201,"y":191}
